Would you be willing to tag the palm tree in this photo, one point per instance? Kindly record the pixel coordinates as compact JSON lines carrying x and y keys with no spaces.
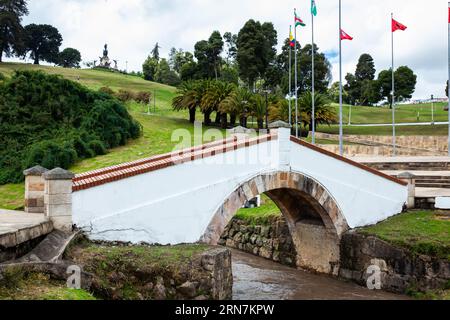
{"x":258,"y":109}
{"x":216,"y":92}
{"x":324,"y":112}
{"x":237,"y":105}
{"x":189,"y":96}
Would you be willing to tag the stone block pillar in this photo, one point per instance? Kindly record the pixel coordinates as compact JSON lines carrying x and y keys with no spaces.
{"x":58,"y":198}
{"x":240,"y":133}
{"x":283,"y":130}
{"x":34,"y":189}
{"x":411,"y":179}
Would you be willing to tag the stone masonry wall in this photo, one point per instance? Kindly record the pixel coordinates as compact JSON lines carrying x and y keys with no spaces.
{"x":401,"y":269}
{"x":381,"y":145}
{"x":272,"y":241}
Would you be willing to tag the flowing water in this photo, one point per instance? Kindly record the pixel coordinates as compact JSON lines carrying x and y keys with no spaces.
{"x":260,"y":279}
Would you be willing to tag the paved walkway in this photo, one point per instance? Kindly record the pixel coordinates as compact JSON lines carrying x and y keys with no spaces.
{"x":17,"y":227}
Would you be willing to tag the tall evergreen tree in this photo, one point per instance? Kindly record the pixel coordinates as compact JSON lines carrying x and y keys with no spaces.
{"x":365,"y":69}
{"x":256,"y":50}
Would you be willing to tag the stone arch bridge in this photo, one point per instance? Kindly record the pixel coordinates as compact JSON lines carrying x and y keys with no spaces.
{"x":191,"y":195}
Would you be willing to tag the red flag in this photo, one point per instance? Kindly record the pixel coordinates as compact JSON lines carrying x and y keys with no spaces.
{"x":398,"y":26}
{"x":449,"y":15}
{"x":345,"y":36}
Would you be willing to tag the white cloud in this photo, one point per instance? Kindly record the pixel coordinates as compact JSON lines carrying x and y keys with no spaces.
{"x":132,"y":27}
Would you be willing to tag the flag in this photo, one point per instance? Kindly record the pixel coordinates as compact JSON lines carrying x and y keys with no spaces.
{"x":345,"y":36}
{"x":298,"y":22}
{"x":291,"y":38}
{"x":398,"y":26}
{"x":313,"y":8}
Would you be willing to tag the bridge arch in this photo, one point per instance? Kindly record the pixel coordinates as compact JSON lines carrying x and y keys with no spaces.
{"x":314,"y":218}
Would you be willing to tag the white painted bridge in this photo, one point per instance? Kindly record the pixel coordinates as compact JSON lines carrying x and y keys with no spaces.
{"x":190,"y":196}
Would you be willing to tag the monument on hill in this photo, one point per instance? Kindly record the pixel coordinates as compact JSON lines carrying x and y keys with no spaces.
{"x":105,"y":62}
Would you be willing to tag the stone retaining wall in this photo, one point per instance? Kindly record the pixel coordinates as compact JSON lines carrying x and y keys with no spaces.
{"x":401,"y":269}
{"x":272,"y":241}
{"x":381,"y":145}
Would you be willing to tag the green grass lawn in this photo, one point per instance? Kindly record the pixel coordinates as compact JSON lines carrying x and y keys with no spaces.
{"x":403,"y":114}
{"x":437,"y":130}
{"x":423,"y":232}
{"x":17,"y":284}
{"x":262,"y":215}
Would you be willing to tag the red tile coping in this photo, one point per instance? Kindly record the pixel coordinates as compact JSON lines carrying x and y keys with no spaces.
{"x":127,"y":165}
{"x":102,"y":176}
{"x":350,"y":162}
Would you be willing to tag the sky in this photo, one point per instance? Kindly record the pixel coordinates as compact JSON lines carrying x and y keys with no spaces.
{"x":132,"y":27}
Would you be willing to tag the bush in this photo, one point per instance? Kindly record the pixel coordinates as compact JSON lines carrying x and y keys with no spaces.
{"x":143,"y":97}
{"x":124,"y":95}
{"x":2,"y":77}
{"x":51,"y":154}
{"x":53,"y":122}
{"x":106,"y":90}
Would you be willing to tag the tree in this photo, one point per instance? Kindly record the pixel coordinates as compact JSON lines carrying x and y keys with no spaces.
{"x":361,"y":87}
{"x":189,"y":96}
{"x":189,"y":71}
{"x":43,"y":42}
{"x":178,"y":58}
{"x":405,"y":83}
{"x":208,"y":57}
{"x":255,"y":50}
{"x":69,"y":58}
{"x":237,"y":104}
{"x":216,"y":92}
{"x":230,"y":41}
{"x":324,"y":112}
{"x":155,"y":52}
{"x":365,"y":69}
{"x":11,"y":30}
{"x":165,"y":75}
{"x":322,"y":68}
{"x":149,"y":68}
{"x":333,"y":93}
{"x":215,"y":48}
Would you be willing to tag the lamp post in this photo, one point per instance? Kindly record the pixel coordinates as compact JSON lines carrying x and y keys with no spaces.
{"x":432,"y":110}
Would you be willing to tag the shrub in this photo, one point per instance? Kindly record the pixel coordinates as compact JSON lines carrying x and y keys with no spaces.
{"x":51,"y":154}
{"x":98,"y":147}
{"x":106,"y":90}
{"x":143,"y":97}
{"x":51,"y":121}
{"x":124,"y":95}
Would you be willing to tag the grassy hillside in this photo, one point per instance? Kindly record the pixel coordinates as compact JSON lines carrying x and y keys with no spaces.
{"x":404,"y":113}
{"x":96,"y":79}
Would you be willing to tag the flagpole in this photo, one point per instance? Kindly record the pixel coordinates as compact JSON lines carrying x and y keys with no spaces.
{"x":313,"y":118}
{"x":296,"y":81}
{"x":290,"y":76}
{"x":449,"y":79}
{"x":394,"y":142}
{"x":341,"y":129}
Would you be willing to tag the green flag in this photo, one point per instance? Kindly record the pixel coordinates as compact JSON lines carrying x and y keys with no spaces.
{"x":313,"y":7}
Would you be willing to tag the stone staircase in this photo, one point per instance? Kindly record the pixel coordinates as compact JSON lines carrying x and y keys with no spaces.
{"x":432,"y":175}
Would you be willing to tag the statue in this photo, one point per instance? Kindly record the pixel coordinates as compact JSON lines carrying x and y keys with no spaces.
{"x":104,"y":61}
